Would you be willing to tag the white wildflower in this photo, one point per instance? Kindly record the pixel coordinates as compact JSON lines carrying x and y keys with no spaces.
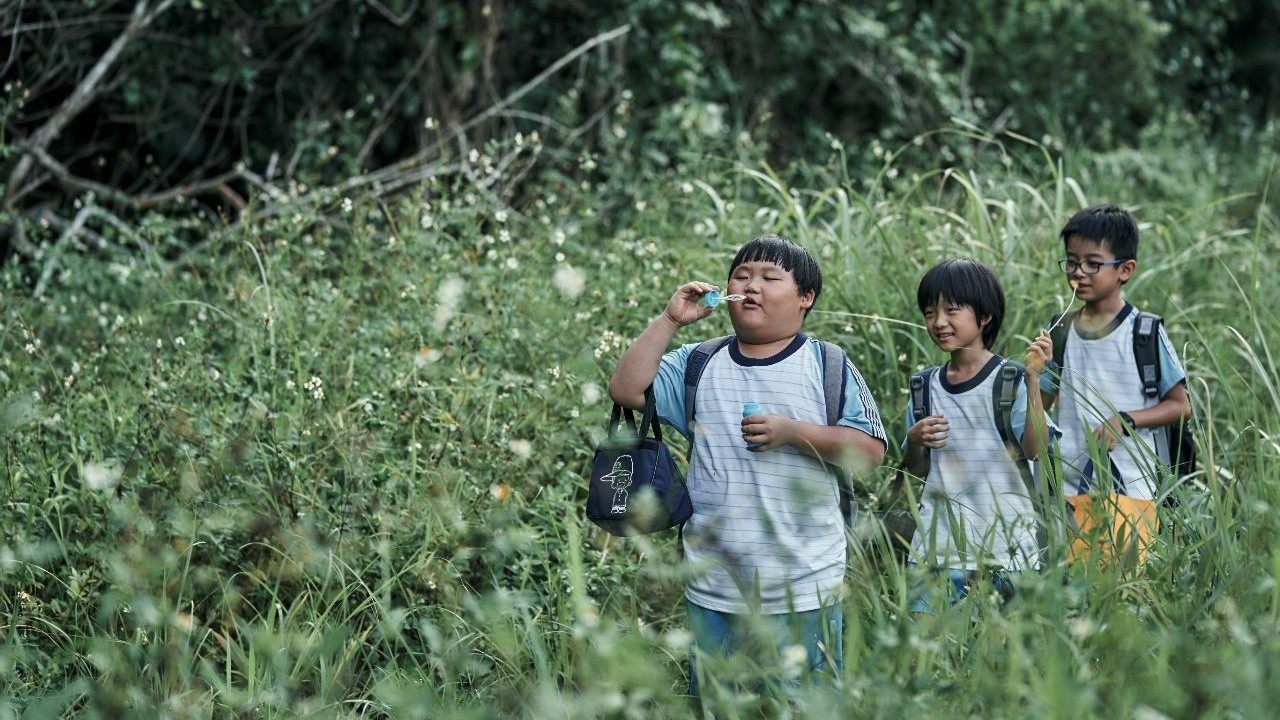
{"x":569,"y":281}
{"x":521,"y":448}
{"x":448,"y":299}
{"x":103,"y":476}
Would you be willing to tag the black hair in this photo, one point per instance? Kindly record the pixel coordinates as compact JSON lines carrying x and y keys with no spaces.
{"x":1105,"y":224}
{"x":788,"y":255}
{"x":964,"y":281}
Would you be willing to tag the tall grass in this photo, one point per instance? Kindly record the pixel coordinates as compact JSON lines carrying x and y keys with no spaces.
{"x":333,"y":464}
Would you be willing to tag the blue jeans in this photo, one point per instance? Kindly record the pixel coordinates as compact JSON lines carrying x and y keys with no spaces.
{"x":772,"y":643}
{"x":957,"y":587}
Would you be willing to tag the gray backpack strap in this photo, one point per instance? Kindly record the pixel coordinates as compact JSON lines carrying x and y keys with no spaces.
{"x":833,"y":360}
{"x":1004,"y":394}
{"x":833,"y":380}
{"x":921,"y":402}
{"x":693,"y":372}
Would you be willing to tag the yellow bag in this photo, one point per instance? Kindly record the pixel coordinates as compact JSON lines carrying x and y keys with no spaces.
{"x":1112,"y":528}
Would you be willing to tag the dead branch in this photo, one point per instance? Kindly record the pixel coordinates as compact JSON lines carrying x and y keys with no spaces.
{"x":142,"y":16}
{"x":55,"y":252}
{"x":423,"y":165}
{"x":384,"y":116}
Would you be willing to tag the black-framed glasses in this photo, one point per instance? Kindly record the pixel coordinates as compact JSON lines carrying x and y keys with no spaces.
{"x":1088,"y":267}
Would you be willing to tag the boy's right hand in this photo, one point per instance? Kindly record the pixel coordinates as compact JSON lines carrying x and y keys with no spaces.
{"x":683,"y":308}
{"x":1040,"y":352}
{"x":931,"y":432}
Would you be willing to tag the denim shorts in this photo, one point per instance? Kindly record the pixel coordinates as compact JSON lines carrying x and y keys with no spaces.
{"x":958,"y":585}
{"x":758,"y":650}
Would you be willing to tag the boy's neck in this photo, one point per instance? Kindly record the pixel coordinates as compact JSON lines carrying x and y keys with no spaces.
{"x":967,"y":362}
{"x":1099,"y":312}
{"x":767,"y":349}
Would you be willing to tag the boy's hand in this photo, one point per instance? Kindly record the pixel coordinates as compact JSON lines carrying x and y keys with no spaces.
{"x":683,"y":308}
{"x":1109,"y":433}
{"x":1040,"y":352}
{"x":767,"y":432}
{"x":931,"y":432}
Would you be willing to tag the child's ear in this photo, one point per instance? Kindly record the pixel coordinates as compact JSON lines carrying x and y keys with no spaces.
{"x":806,"y":299}
{"x":1126,"y":269}
{"x":982,"y":322}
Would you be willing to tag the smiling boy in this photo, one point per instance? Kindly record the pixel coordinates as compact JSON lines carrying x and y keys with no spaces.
{"x":767,"y":538}
{"x":978,"y":512}
{"x":1110,"y":448}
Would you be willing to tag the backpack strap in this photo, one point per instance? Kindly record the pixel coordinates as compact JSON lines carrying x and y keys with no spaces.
{"x":693,"y":372}
{"x":833,"y":380}
{"x":1146,"y":351}
{"x":1146,"y":354}
{"x":921,"y":406}
{"x":1004,"y":394}
{"x":833,"y":387}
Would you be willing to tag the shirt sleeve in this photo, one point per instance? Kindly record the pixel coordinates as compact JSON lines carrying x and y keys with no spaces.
{"x":668,"y":388}
{"x":1049,"y":378}
{"x":1021,"y":403}
{"x":860,"y":410}
{"x":1171,"y":372}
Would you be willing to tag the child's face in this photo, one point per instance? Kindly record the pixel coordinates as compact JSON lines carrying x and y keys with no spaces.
{"x":774,"y":308}
{"x":954,"y":327}
{"x":1094,"y":270}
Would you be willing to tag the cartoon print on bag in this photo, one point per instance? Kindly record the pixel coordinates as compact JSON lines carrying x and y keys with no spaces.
{"x":620,"y":478}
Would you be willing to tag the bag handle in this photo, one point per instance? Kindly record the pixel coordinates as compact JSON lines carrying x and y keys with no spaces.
{"x":618,"y":415}
{"x":648,"y":419}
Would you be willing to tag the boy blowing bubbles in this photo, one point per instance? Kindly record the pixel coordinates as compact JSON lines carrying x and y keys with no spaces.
{"x":767,"y":537}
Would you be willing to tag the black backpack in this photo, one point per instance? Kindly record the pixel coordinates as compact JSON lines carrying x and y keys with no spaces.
{"x":833,"y":387}
{"x":1175,"y":446}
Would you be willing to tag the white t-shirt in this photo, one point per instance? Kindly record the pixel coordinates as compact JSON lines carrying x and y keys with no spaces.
{"x":766,"y":531}
{"x":976,"y":509}
{"x":1099,"y":378}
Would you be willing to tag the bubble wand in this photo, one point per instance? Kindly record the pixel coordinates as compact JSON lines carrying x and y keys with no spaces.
{"x":1075,"y":285}
{"x":713,"y":298}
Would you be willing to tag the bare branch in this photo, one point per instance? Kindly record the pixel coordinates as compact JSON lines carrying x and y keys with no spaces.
{"x":13,"y":44}
{"x":55,"y":253}
{"x":384,"y":117}
{"x":542,"y":76}
{"x":84,"y":92}
{"x":390,"y":15}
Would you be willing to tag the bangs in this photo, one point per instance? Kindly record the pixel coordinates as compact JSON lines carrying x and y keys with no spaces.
{"x":785,"y":254}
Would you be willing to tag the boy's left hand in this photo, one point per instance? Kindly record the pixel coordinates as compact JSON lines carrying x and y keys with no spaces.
{"x":767,"y":432}
{"x":1109,"y":433}
{"x":1040,"y":353}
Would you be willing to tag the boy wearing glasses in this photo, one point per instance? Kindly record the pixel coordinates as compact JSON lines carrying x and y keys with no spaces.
{"x":1109,"y":422}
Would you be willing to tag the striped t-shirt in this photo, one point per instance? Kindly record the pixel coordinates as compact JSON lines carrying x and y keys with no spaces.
{"x":976,"y":509}
{"x":766,"y":532}
{"x":1100,"y":377}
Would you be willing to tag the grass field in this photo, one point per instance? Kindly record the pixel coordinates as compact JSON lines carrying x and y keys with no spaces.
{"x":331,"y":463}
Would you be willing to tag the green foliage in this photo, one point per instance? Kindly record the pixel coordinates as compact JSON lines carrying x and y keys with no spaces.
{"x":331,"y":464}
{"x":316,"y":92}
